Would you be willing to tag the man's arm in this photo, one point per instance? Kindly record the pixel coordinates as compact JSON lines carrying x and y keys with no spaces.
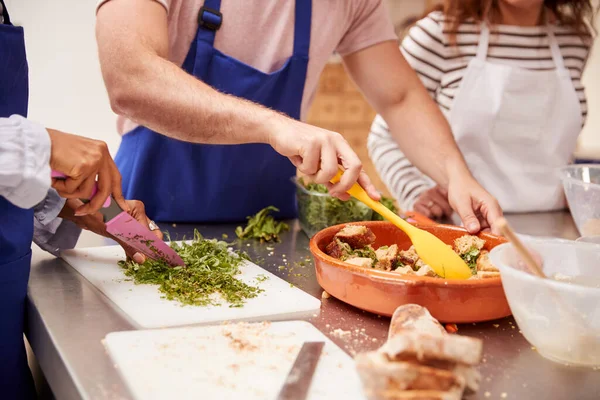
{"x":420,"y":129}
{"x":146,"y":87}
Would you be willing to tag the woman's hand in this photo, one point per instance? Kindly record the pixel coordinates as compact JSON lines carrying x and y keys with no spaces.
{"x":94,"y":222}
{"x":81,"y":160}
{"x":433,"y":203}
{"x":477,"y":209}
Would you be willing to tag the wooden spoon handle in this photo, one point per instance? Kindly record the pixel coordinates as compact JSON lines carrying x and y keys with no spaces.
{"x":530,"y":262}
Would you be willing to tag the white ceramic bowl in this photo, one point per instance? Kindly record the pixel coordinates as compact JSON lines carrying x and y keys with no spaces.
{"x":561,"y":319}
{"x":582,"y":188}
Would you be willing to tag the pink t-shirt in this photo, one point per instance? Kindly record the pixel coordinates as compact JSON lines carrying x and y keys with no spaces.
{"x":260,"y":33}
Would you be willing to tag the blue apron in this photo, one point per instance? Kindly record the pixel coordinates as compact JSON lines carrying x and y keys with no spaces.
{"x":184,"y":182}
{"x":16,"y":230}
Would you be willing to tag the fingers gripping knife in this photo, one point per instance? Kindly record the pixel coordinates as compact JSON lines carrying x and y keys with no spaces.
{"x":128,"y":230}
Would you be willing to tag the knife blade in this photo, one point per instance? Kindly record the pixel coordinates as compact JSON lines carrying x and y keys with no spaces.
{"x":127,"y":229}
{"x":299,"y":378}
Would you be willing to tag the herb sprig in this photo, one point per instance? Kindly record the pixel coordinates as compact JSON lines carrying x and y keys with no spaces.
{"x":208,"y":277}
{"x":263,"y":227}
{"x":470,"y":257}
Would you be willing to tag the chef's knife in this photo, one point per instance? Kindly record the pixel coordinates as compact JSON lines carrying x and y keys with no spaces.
{"x":127,"y":229}
{"x":300,"y":376}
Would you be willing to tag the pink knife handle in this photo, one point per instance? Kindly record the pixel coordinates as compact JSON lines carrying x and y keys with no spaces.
{"x":59,"y":175}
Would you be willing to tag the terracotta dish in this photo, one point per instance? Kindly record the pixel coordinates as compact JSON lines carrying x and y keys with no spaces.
{"x":381,"y":292}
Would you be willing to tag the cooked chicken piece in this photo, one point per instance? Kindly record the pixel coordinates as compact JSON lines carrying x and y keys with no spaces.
{"x":381,"y":377}
{"x":357,"y":236}
{"x":408,"y":257}
{"x":425,"y":270}
{"x":386,"y":258}
{"x":466,"y":243}
{"x":451,"y":348}
{"x":413,"y":317}
{"x":488,"y":274}
{"x":337,"y":249}
{"x":361,"y":262}
{"x":406,"y":270}
{"x":484,"y":263}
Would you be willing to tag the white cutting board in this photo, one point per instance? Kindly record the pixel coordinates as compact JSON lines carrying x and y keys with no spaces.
{"x":204,"y":362}
{"x":146,"y":309}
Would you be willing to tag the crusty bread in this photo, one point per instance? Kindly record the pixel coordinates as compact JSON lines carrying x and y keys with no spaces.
{"x":408,"y":257}
{"x":360,"y":261}
{"x":357,"y":236}
{"x":470,"y":376}
{"x":484,"y":263}
{"x":335,"y":249}
{"x":379,"y":375}
{"x":451,"y":348}
{"x":412,"y":317}
{"x":414,"y":395}
{"x":464,"y":244}
{"x":386,"y":257}
{"x":420,"y":360}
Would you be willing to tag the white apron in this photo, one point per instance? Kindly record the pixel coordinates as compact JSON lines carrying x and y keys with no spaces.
{"x":515,"y":126}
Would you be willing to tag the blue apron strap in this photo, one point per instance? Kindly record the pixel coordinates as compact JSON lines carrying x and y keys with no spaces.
{"x":209,"y":20}
{"x":302,"y":27}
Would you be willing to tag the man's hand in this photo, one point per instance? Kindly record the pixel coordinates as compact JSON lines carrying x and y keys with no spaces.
{"x":81,"y":160}
{"x":433,"y":203}
{"x":478,"y":209}
{"x":317,"y":153}
{"x":94,"y":222}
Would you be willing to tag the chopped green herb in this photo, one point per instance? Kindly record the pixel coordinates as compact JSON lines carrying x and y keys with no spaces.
{"x":262,"y":227}
{"x":470,"y":257}
{"x":365,"y":252}
{"x":209,"y":274}
{"x":225,"y":236}
{"x":261,"y":278}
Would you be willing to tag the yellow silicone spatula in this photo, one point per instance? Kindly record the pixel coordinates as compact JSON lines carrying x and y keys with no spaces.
{"x":435,"y":253}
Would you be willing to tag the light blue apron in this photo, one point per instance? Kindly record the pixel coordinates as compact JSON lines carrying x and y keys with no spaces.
{"x":16,"y":230}
{"x":183,"y":182}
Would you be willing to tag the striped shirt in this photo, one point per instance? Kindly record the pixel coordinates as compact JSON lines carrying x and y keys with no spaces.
{"x":441,"y":67}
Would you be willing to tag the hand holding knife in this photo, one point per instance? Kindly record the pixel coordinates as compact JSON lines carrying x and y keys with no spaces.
{"x":128,"y":230}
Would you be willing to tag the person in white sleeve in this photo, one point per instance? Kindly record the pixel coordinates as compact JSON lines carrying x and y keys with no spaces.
{"x":507,"y":76}
{"x":30,"y":210}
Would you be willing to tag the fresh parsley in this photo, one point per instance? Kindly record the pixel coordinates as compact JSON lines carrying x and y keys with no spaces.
{"x":209,"y":275}
{"x":263,"y":227}
{"x":470,"y":257}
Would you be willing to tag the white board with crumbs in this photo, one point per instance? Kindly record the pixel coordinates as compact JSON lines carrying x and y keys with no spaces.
{"x":247,"y":361}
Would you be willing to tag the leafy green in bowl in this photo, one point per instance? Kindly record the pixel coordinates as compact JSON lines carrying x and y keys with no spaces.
{"x":318,"y":210}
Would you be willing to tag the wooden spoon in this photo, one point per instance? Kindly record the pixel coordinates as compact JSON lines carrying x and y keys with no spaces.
{"x":528,"y":258}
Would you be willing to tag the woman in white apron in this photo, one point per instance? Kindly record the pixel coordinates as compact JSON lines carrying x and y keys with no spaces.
{"x":508,"y":81}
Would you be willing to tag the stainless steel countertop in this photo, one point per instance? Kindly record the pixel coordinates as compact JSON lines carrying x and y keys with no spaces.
{"x":68,"y":318}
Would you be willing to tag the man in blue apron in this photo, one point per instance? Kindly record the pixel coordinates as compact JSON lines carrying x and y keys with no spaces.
{"x":28,"y":210}
{"x":217,"y":135}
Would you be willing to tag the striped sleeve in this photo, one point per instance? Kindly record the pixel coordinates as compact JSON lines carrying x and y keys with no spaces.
{"x":404,"y":181}
{"x":424,"y":49}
